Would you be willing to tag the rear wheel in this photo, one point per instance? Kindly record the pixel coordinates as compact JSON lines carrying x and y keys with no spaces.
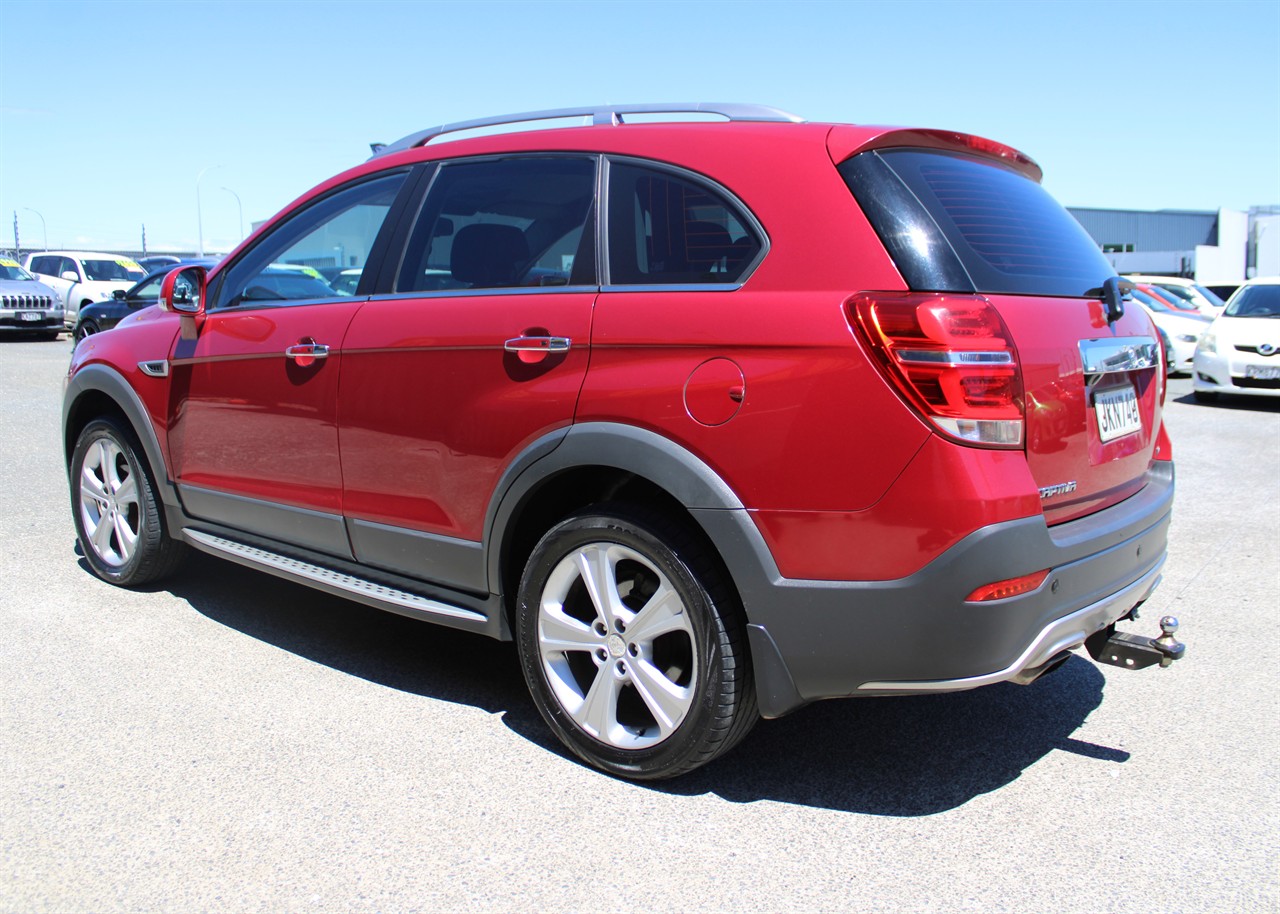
{"x":633,"y":648}
{"x":117,"y":515}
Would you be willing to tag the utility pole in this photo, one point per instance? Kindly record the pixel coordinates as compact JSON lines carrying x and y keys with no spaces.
{"x":17,"y":248}
{"x":144,"y":239}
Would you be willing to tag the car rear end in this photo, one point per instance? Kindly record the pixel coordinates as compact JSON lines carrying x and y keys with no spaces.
{"x":1010,"y":338}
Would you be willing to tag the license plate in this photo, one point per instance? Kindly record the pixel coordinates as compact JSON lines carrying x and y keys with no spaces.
{"x":1262,"y":372}
{"x":30,"y":315}
{"x":1117,"y":411}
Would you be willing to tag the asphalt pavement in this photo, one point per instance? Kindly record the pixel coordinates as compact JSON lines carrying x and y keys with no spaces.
{"x":232,"y":742}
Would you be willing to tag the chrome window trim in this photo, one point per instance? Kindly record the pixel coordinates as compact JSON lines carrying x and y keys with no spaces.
{"x":480,"y":293}
{"x":675,"y":287}
{"x":737,"y":203}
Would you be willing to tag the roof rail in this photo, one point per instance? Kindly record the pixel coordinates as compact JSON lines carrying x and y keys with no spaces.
{"x":608,"y":114}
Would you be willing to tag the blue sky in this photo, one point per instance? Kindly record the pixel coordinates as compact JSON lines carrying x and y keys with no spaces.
{"x":110,"y":110}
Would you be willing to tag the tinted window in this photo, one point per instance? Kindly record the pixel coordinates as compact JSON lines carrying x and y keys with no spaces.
{"x":960,"y":223}
{"x":666,"y":228}
{"x":1255,"y":301}
{"x":337,"y":231}
{"x":11,"y":271}
{"x":118,"y":270}
{"x":492,"y":225}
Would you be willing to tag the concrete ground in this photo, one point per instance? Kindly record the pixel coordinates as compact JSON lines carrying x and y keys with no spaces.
{"x":232,"y":742}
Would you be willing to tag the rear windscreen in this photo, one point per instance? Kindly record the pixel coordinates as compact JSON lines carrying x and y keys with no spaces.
{"x":957,"y":223}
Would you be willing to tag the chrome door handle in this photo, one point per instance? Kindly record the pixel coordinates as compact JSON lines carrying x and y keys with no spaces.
{"x":538,"y":344}
{"x":307,"y":351}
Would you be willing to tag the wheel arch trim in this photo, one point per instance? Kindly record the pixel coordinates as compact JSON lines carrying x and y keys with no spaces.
{"x":614,"y":445}
{"x":98,"y":378}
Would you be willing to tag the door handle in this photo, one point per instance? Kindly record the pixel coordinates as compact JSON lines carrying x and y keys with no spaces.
{"x":543,"y":344}
{"x":306,"y":352}
{"x":533,"y":349}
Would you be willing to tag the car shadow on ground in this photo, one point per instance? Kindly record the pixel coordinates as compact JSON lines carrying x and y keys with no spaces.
{"x":1235,"y":401}
{"x":892,"y":756}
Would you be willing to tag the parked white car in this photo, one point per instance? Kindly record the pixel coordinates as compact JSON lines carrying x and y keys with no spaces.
{"x":1240,"y":354}
{"x":26,"y":304}
{"x":1181,"y":330}
{"x":83,"y":277}
{"x":1204,"y":300}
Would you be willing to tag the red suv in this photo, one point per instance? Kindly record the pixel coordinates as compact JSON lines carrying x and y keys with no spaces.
{"x":714,"y":419}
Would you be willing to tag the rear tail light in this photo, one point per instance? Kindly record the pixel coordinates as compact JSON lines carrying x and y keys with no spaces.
{"x":952,"y":357}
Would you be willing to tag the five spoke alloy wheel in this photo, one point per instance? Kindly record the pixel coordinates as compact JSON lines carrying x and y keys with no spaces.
{"x":634,"y":661}
{"x":117,"y":516}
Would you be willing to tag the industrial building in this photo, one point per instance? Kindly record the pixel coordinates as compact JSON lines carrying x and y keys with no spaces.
{"x":1215,"y":248}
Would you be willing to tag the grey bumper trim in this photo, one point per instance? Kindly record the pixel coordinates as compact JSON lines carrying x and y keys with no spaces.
{"x":1061,"y":635}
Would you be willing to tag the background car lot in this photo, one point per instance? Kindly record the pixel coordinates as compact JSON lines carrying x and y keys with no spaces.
{"x":238,"y":742}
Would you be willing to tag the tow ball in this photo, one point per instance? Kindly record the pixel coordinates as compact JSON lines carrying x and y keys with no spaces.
{"x":1134,"y":652}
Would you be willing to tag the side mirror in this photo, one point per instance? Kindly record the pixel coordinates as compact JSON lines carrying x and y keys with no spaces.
{"x":118,"y":294}
{"x":182,"y":291}
{"x":71,"y":275}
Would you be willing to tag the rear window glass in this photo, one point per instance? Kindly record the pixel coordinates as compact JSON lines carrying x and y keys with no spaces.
{"x":956,"y":219}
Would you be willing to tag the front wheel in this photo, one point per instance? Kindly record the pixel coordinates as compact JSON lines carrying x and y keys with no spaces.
{"x":117,"y":515}
{"x":87,"y":328}
{"x":633,"y":647}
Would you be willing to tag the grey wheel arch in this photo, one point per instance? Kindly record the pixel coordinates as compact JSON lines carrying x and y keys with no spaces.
{"x":610,"y":445}
{"x":713,"y":505}
{"x":99,"y":379}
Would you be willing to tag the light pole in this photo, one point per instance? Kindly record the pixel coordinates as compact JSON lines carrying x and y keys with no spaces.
{"x":43,"y":227}
{"x":239,"y":207}
{"x":199,"y":221}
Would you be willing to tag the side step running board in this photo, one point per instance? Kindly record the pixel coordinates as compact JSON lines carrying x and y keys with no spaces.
{"x":357,"y":588}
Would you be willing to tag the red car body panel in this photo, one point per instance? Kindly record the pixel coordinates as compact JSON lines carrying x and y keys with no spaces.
{"x":432,"y":410}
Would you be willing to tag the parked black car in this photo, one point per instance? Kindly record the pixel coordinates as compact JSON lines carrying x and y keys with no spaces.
{"x":104,"y":315}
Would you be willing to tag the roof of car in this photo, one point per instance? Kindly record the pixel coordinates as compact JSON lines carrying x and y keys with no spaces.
{"x":80,"y":254}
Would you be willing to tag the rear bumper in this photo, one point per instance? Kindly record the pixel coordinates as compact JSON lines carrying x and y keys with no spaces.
{"x":820,"y":639}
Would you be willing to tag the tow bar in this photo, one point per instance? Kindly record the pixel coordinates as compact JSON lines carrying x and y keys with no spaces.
{"x":1134,"y":652}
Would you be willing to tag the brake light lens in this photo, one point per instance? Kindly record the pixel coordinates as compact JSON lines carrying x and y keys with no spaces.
{"x":952,"y":357}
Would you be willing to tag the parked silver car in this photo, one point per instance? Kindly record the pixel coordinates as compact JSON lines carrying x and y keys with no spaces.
{"x":26,"y":304}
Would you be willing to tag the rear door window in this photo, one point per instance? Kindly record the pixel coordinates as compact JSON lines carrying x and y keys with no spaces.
{"x":502,"y":224}
{"x":956,"y":223}
{"x":672,"y":229}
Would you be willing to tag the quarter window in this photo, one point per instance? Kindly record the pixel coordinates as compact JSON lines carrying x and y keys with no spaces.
{"x":504,"y":224}
{"x":666,"y":228}
{"x":330,"y":238}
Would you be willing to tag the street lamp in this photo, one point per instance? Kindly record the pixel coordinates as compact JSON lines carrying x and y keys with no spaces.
{"x":42,"y":226}
{"x":199,"y":221}
{"x":239,"y":207}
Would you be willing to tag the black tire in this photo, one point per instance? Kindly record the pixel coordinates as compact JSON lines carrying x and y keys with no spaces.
{"x":685,"y":656}
{"x":88,"y":328}
{"x":113,"y":495}
{"x":1205,"y":396}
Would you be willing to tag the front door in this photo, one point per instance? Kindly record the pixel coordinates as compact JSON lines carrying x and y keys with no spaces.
{"x":253,"y":432}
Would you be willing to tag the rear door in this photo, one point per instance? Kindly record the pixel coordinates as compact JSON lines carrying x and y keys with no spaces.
{"x":480,"y":349}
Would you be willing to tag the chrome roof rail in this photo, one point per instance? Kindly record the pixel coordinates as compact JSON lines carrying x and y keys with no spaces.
{"x":607,"y":114}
